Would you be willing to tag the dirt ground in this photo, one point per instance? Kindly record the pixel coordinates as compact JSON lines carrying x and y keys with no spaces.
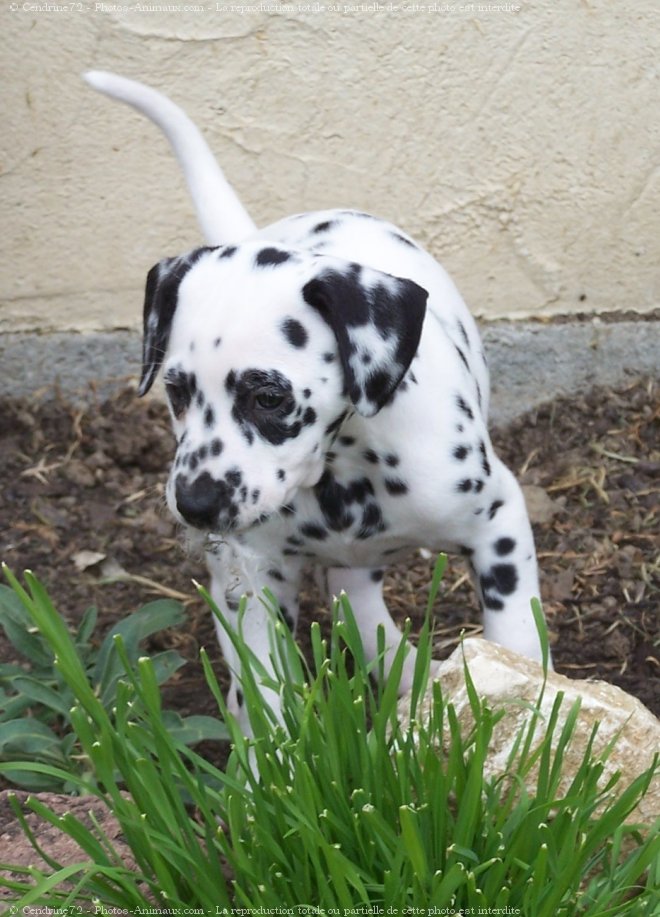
{"x":76,"y":481}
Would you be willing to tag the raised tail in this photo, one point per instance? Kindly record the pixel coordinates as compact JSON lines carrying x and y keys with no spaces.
{"x":220,"y":213}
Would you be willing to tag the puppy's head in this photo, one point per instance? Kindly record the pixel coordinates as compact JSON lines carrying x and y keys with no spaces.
{"x":264,"y":352}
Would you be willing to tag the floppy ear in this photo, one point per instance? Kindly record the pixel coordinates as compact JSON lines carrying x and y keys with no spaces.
{"x":160,"y":301}
{"x":377,"y":321}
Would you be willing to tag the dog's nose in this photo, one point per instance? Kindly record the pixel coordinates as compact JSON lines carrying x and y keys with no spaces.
{"x":201,"y":501}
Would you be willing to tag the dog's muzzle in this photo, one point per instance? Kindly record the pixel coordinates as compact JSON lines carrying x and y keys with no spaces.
{"x":206,"y":503}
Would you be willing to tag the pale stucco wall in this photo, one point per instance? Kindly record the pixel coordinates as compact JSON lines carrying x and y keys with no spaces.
{"x":522,"y":146}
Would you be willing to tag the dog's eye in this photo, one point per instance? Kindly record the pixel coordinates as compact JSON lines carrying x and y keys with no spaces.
{"x":269,"y":399}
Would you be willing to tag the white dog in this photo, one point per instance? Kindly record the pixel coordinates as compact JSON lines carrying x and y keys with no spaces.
{"x":329,"y":396}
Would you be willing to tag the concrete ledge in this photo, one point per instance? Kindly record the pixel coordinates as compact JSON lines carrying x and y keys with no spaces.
{"x":78,"y":365}
{"x":529,"y":362}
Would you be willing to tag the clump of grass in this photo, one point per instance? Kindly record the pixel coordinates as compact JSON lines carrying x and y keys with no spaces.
{"x":337,"y":806}
{"x":36,"y":700}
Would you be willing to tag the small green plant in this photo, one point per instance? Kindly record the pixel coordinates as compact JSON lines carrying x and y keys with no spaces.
{"x":36,"y":701}
{"x":339,"y":806}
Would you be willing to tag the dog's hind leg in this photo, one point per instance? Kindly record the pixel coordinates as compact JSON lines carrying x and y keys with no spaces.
{"x":503,"y":559}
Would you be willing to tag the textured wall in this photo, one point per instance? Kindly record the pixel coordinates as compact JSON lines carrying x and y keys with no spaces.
{"x":522,"y":146}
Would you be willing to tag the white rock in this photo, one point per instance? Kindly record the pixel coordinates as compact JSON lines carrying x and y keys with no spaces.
{"x":506,"y":680}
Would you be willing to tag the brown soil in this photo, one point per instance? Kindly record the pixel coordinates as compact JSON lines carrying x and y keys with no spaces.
{"x":92,"y":480}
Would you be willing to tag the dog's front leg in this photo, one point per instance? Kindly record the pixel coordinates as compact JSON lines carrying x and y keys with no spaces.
{"x":232,"y":577}
{"x":364,"y":589}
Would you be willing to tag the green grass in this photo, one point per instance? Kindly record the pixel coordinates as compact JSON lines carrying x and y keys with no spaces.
{"x":36,"y":700}
{"x":343,"y":807}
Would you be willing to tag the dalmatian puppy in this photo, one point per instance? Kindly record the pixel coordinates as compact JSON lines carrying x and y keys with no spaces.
{"x":329,"y":395}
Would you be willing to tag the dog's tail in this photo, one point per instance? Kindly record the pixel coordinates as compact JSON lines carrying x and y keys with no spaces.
{"x":220,"y":213}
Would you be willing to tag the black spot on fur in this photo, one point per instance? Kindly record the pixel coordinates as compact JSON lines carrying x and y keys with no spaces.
{"x":346,"y":440}
{"x":494,"y":508}
{"x":294,"y":332}
{"x":281,"y":474}
{"x":216,"y":447}
{"x":328,"y":358}
{"x":336,"y":423}
{"x":324,"y":226}
{"x":491,"y":601}
{"x":485,"y":464}
{"x":312,"y":530}
{"x":217,"y":342}
{"x":372,"y":522}
{"x":359,"y":490}
{"x":461,"y":452}
{"x":209,"y":416}
{"x":309,"y":417}
{"x":464,"y":486}
{"x":227,"y":252}
{"x":392,"y":460}
{"x":504,"y":546}
{"x":502,"y":579}
{"x":234,"y":477}
{"x":230,"y":381}
{"x":464,"y":407}
{"x":463,"y":357}
{"x":377,"y":382}
{"x":269,"y":257}
{"x":461,"y":328}
{"x":403,"y":240}
{"x":371,"y":456}
{"x":396,"y":487}
{"x":276,"y":575}
{"x":335,"y":499}
{"x":376,"y":576}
